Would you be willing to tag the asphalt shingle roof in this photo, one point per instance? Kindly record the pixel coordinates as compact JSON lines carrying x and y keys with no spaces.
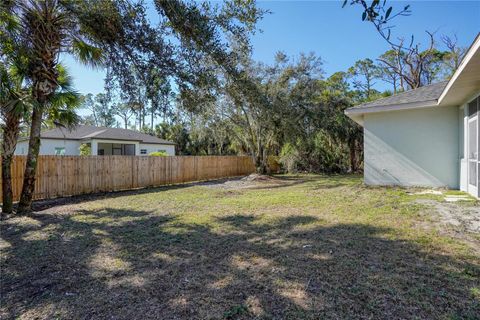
{"x":82,"y":132}
{"x":425,"y":93}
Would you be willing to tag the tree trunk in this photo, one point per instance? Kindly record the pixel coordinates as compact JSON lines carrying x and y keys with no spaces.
{"x":142,"y":119}
{"x":10,"y":135}
{"x":139,"y":120}
{"x":260,"y":162}
{"x":260,"y":166}
{"x":152,"y":119}
{"x":353,"y":156}
{"x":125,"y":120}
{"x":95,"y":116}
{"x":25,"y":204}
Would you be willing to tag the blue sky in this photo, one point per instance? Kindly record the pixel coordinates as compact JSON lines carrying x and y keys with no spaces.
{"x":337,"y":35}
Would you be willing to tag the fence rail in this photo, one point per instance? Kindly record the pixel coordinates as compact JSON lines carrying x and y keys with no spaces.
{"x":60,"y":176}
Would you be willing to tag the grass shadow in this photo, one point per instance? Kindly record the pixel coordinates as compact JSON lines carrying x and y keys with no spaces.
{"x":127,"y":264}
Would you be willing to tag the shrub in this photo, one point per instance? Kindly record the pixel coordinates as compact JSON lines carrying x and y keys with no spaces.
{"x":158,"y":154}
{"x":85,"y":149}
{"x":330,"y":154}
{"x":290,"y":158}
{"x":321,"y":152}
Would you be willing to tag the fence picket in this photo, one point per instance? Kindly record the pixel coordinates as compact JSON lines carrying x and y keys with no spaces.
{"x":60,"y":176}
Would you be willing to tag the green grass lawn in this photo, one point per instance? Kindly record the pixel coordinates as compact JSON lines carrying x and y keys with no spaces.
{"x":298,"y":247}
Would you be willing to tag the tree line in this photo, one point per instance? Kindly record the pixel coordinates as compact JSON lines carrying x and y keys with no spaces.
{"x":287,"y":109}
{"x":190,"y":78}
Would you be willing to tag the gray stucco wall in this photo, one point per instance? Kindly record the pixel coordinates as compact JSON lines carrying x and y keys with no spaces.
{"x":47,"y":147}
{"x":413,"y":147}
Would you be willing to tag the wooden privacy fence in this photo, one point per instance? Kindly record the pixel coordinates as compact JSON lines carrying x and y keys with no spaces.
{"x":60,"y":176}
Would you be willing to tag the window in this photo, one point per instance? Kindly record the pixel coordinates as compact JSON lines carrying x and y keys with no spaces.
{"x":60,"y":151}
{"x":472,"y":146}
{"x":101,"y":152}
{"x":143,"y":151}
{"x":117,"y":151}
{"x":129,"y":149}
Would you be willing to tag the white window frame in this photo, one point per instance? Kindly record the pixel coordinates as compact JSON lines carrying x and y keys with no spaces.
{"x":473,"y":189}
{"x":61,"y":149}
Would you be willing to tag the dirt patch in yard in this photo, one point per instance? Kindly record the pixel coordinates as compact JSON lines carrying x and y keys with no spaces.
{"x":456,"y":219}
{"x":253,"y":181}
{"x":465,"y":218}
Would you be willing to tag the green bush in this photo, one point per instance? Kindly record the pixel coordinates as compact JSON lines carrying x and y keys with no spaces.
{"x":290,"y":158}
{"x":331,"y":155}
{"x":321,"y":152}
{"x":85,"y":149}
{"x":158,"y":154}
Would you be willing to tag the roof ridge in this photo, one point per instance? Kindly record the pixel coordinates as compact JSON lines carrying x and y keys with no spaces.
{"x":95,"y":133}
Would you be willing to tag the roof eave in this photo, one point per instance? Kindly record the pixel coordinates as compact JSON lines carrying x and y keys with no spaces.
{"x":50,"y":138}
{"x":112,"y":139}
{"x":471,"y":53}
{"x":132,"y":140}
{"x":163,"y":143}
{"x":395,"y":107}
{"x":357,"y":117}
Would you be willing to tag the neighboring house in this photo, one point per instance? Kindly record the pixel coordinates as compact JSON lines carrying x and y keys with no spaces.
{"x":428,"y":136}
{"x":102,"y":141}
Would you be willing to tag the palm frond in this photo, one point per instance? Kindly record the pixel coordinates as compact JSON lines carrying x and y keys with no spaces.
{"x":67,"y":100}
{"x":14,"y":97}
{"x":62,"y":117}
{"x":64,"y":102}
{"x":62,"y":109}
{"x":64,"y":80}
{"x":87,"y":54}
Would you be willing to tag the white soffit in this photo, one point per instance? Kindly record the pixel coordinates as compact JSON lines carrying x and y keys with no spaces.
{"x":465,"y":82}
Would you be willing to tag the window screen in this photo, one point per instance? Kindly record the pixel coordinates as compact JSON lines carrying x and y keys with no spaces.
{"x":472,"y":143}
{"x":472,"y":173}
{"x":143,"y":151}
{"x":473,"y":108}
{"x":129,"y":149}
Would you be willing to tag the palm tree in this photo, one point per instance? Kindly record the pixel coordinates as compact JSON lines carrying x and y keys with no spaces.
{"x":15,"y":100}
{"x":46,"y":29}
{"x":17,"y":103}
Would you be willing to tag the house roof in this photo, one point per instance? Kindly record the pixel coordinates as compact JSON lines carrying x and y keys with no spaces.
{"x":426,"y":93}
{"x":82,"y":132}
{"x":464,"y":83}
